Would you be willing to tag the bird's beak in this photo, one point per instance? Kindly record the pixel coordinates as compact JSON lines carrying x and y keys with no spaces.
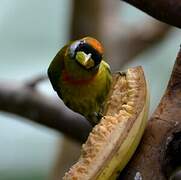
{"x":84,"y":59}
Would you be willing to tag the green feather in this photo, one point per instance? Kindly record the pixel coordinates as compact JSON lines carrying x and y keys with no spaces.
{"x":55,"y":69}
{"x":87,"y":99}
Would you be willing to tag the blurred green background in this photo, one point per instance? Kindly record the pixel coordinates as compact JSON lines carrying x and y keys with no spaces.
{"x":31,"y":33}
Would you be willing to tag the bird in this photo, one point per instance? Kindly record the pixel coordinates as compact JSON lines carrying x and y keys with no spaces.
{"x":81,"y":77}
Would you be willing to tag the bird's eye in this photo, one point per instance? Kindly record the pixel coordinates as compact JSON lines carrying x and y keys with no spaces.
{"x":86,"y":48}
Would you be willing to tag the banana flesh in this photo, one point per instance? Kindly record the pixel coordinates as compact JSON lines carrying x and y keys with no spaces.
{"x":113,"y":141}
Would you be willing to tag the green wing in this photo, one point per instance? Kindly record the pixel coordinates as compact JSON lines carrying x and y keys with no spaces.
{"x":55,"y":69}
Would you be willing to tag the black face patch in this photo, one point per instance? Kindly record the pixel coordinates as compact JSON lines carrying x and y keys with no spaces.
{"x":86,"y":48}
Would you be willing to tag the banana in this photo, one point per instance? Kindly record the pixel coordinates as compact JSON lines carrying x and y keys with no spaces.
{"x":115,"y":138}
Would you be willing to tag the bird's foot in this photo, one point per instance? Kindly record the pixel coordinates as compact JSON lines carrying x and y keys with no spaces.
{"x":94,"y":118}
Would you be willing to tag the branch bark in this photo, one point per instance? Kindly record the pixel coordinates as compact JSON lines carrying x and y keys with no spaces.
{"x":24,"y":101}
{"x":33,"y":82}
{"x":147,"y":159}
{"x":168,"y":11}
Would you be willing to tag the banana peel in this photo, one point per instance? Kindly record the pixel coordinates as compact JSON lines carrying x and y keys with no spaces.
{"x":115,"y":138}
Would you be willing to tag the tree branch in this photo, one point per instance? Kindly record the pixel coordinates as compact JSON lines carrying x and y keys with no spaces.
{"x":36,"y":80}
{"x":29,"y":103}
{"x":168,"y":11}
{"x":147,"y":159}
